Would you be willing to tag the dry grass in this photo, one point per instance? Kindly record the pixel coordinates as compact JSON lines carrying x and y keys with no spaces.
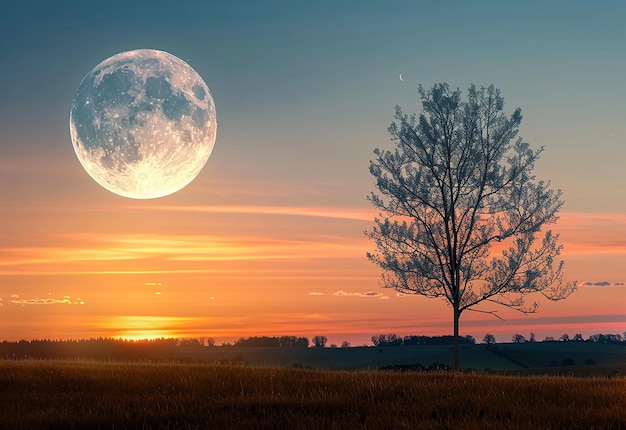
{"x":82,"y":394}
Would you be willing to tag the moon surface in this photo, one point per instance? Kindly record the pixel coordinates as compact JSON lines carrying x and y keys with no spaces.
{"x":143,"y":124}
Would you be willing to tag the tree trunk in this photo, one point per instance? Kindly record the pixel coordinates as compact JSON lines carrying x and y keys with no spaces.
{"x":456,"y":337}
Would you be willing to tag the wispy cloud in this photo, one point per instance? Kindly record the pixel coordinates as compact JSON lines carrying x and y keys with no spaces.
{"x":368,"y":294}
{"x":592,"y":233}
{"x":315,"y":293}
{"x":358,"y":214}
{"x":162,"y":253}
{"x":66,"y":300}
{"x":601,"y":284}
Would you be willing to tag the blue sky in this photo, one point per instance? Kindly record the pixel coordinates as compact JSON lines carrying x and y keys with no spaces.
{"x":320,"y":79}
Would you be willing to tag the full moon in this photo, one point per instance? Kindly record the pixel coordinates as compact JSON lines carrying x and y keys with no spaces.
{"x":143,"y":124}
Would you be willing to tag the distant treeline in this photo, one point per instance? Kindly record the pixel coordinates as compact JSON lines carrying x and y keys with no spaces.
{"x":279,"y":342}
{"x":90,"y":348}
{"x":167,"y":348}
{"x":395,"y":340}
{"x":111,"y":348}
{"x":594,"y":338}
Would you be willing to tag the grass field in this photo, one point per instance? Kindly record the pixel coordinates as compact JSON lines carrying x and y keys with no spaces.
{"x":90,"y":394}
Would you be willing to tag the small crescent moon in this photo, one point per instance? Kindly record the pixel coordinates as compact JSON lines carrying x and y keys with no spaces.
{"x":400,"y":76}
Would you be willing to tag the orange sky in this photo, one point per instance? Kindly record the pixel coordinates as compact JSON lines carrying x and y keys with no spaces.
{"x":110,"y":266}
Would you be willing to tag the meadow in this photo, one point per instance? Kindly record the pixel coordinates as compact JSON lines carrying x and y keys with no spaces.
{"x":174,"y":395}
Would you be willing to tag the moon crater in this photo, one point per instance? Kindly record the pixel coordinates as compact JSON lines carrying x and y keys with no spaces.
{"x":143,"y":124}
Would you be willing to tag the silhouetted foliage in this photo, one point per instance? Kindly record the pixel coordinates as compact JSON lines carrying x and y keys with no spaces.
{"x":391,"y":339}
{"x":564,"y":337}
{"x":395,"y":340}
{"x":90,"y":348}
{"x":191,"y":342}
{"x":319,"y":341}
{"x":518,"y":338}
{"x":489,"y":339}
{"x":266,"y":341}
{"x":459,"y":181}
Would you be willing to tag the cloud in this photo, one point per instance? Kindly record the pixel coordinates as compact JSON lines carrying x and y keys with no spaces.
{"x":152,"y":254}
{"x":601,"y":284}
{"x":368,"y":294}
{"x":356,"y":214}
{"x":66,"y":300}
{"x":152,"y":284}
{"x":315,"y":293}
{"x":372,"y":294}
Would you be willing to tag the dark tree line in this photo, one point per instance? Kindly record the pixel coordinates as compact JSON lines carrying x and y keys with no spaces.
{"x":395,"y":340}
{"x":490,"y":339}
{"x":90,"y":348}
{"x":278,"y":342}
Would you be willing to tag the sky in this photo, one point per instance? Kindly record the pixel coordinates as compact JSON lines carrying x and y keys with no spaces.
{"x":268,"y":239}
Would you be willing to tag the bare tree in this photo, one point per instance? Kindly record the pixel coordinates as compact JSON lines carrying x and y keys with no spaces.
{"x":460,"y":208}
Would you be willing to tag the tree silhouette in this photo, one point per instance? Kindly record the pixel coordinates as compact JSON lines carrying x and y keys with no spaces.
{"x":518,"y":338}
{"x":460,"y":208}
{"x":319,"y":341}
{"x":489,"y":339}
